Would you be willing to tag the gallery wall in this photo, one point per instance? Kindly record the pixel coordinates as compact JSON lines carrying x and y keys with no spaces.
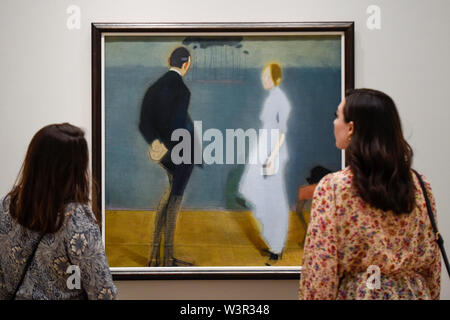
{"x":46,"y":78}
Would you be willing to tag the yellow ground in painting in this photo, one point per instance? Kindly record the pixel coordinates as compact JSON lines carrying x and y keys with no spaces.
{"x":207,"y":238}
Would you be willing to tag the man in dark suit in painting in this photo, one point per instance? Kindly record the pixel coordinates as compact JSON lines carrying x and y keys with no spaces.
{"x":165,"y":109}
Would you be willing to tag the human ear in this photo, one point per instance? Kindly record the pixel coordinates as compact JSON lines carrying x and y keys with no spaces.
{"x":186,"y":65}
{"x":351,"y":128}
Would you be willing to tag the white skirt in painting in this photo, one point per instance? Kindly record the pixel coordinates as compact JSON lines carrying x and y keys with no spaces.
{"x":267,"y":194}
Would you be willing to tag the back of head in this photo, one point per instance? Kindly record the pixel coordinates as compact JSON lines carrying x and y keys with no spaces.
{"x":275,"y":72}
{"x":378,"y":155}
{"x":54,"y":173}
{"x":178,"y":57}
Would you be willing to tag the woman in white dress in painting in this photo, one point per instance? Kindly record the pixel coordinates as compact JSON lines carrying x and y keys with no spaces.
{"x":263,"y":181}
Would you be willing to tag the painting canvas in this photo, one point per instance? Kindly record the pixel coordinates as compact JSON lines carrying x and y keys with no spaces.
{"x":207,"y":139}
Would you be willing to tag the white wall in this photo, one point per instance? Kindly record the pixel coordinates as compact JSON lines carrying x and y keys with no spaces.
{"x":46,"y":77}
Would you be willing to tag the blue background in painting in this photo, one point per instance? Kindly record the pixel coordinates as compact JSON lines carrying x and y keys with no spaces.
{"x":134,"y":182}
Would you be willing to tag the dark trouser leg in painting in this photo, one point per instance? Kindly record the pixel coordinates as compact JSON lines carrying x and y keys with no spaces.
{"x":160,"y":220}
{"x":169,"y":232}
{"x":166,"y":215}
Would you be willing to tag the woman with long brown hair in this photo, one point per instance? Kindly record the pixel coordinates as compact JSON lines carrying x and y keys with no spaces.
{"x":370,"y":236}
{"x":51,"y":245}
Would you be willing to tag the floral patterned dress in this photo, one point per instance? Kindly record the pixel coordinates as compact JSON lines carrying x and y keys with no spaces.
{"x":348,"y":240}
{"x":78,"y":244}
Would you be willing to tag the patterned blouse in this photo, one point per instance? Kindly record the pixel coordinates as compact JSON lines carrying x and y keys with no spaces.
{"x":50,"y":276}
{"x":349,"y":243}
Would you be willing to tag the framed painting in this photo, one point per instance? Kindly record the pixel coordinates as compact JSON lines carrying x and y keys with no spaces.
{"x":208,"y":140}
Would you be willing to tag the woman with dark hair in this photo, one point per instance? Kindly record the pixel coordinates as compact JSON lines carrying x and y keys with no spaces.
{"x":51,"y":245}
{"x":370,"y":236}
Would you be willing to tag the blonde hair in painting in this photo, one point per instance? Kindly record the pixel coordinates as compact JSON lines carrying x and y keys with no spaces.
{"x":275,"y":72}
